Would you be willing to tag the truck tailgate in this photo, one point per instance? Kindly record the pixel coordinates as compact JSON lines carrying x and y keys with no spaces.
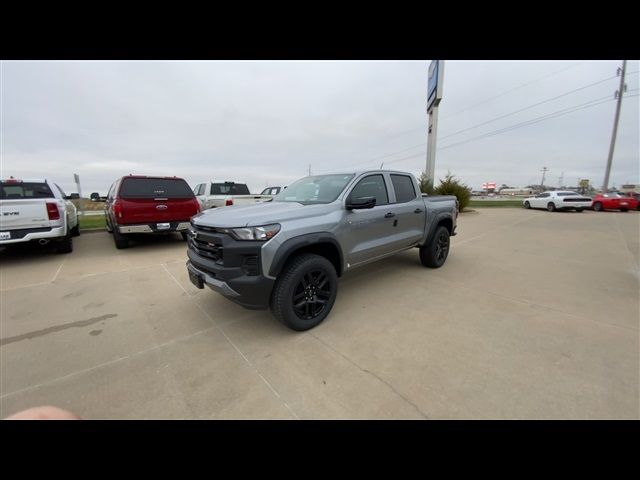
{"x":24,"y":213}
{"x":149,"y":210}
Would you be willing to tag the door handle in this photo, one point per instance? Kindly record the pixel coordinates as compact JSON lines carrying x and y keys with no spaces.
{"x":417,"y":210}
{"x":389,"y":215}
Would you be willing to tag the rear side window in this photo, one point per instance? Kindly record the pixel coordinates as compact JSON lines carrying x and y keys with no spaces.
{"x":25,"y":190}
{"x":155,"y":188}
{"x":403,"y":186}
{"x":229,"y":189}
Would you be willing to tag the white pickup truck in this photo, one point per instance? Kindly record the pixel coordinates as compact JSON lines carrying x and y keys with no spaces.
{"x":35,"y":210}
{"x":226,"y":194}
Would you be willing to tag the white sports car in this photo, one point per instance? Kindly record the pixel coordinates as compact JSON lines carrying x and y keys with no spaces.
{"x":560,"y":200}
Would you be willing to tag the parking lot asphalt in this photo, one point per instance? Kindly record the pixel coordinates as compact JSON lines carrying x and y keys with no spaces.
{"x":535,"y":315}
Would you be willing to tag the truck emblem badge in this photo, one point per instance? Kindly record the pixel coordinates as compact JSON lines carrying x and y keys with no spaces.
{"x":161,"y":207}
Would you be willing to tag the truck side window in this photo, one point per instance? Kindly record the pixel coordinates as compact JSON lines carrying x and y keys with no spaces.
{"x":403,"y":185}
{"x":372,"y":186}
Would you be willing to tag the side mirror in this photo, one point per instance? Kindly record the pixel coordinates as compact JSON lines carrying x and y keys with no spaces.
{"x":360,"y":203}
{"x":67,"y":197}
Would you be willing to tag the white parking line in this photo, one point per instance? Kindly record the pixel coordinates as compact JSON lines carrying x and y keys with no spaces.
{"x":57,"y":272}
{"x":275,"y":392}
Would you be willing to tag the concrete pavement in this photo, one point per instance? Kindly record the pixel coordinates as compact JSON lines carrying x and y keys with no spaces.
{"x":534,"y":315}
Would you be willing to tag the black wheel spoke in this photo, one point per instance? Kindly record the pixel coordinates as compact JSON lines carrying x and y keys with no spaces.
{"x":311,"y":295}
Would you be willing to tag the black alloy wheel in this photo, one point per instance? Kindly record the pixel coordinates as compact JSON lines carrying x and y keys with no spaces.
{"x":311,"y":295}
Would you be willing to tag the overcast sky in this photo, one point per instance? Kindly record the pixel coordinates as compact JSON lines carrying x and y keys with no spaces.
{"x":265,"y":122}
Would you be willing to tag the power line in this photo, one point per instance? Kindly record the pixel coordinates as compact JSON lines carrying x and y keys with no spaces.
{"x":550,"y":116}
{"x":472,"y":106}
{"x":530,"y":106}
{"x":365,"y":162}
{"x":513,"y":90}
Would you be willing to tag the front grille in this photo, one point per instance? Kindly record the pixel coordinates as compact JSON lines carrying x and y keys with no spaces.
{"x":576,"y":200}
{"x":207,"y":249}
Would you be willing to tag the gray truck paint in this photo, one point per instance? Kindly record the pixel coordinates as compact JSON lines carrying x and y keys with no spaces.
{"x":363,"y":235}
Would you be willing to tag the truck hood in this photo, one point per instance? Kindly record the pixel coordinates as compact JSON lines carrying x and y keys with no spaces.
{"x":257,"y":214}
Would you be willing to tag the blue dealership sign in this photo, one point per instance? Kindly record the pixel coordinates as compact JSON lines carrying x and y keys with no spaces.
{"x":434,"y":85}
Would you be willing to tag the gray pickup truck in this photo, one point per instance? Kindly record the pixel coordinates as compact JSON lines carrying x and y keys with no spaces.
{"x":288,"y":253}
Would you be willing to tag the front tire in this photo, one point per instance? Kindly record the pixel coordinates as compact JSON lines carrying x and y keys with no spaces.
{"x":551,"y":207}
{"x":435,"y":253}
{"x":579,"y":210}
{"x":597,"y":207}
{"x":305,"y":292}
{"x":527,"y":205}
{"x":185,"y":236}
{"x":624,"y":209}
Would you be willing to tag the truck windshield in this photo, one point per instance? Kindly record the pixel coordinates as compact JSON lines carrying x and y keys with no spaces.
{"x":155,"y":188}
{"x":229,"y":189}
{"x":25,"y":190}
{"x":316,"y":189}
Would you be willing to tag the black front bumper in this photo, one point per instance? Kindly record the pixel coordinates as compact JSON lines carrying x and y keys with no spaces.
{"x":229,"y":267}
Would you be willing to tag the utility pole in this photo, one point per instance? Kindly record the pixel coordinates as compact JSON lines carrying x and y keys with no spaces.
{"x":621,"y":72}
{"x":544,"y":171}
{"x":561,"y":180}
{"x":309,"y":169}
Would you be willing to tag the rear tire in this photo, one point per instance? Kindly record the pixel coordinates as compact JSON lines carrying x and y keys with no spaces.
{"x":597,"y":207}
{"x":75,"y":231}
{"x":624,"y":209}
{"x":65,"y":245}
{"x":579,"y":209}
{"x":120,"y":240}
{"x":551,"y":207}
{"x":435,"y":253}
{"x":305,"y":292}
{"x":527,"y":205}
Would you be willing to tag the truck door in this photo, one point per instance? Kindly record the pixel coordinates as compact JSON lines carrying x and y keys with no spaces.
{"x":410,"y":212}
{"x":368,"y":233}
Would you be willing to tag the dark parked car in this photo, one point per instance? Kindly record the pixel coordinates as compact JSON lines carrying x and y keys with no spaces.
{"x":140,"y":204}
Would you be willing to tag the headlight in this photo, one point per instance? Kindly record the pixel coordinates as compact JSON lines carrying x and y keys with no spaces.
{"x":263,"y":233}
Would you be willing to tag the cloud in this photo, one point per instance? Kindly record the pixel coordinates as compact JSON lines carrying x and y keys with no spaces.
{"x":266,"y":122}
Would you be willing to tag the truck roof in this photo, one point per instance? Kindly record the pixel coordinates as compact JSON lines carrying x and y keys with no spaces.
{"x":360,"y":172}
{"x":23,"y":180}
{"x":152,"y":176}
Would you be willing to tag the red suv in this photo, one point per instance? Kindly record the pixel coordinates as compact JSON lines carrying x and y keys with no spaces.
{"x":139,"y":204}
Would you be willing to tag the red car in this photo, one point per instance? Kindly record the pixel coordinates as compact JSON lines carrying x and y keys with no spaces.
{"x":613,"y":201}
{"x":634,"y":199}
{"x":139,"y":204}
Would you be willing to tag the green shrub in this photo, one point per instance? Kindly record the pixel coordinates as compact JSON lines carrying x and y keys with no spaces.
{"x":426,"y":184}
{"x":451,"y":186}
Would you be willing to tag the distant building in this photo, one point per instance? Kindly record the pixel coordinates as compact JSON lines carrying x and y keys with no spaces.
{"x":629,"y":188}
{"x":517,"y":192}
